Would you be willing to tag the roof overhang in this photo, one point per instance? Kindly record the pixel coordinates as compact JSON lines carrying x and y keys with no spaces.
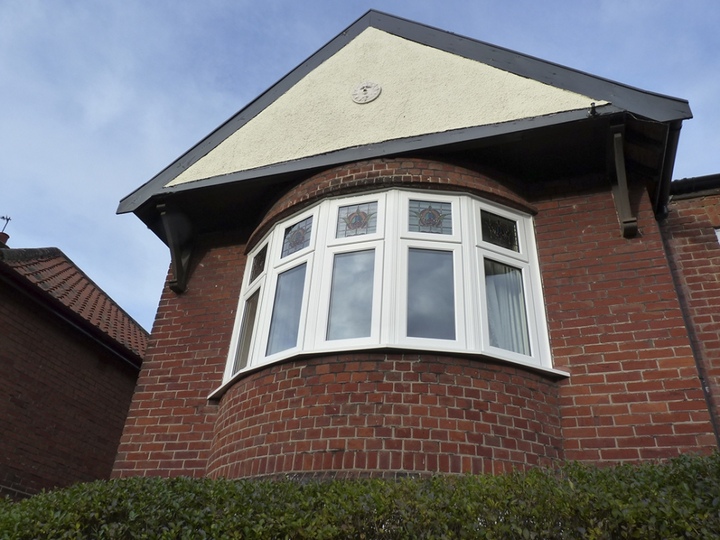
{"x":526,"y":146}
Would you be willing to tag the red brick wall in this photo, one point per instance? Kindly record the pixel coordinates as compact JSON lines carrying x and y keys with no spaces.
{"x":693,"y":247}
{"x":169,"y":428}
{"x":383,"y":414}
{"x":616,"y":325}
{"x":63,"y":400}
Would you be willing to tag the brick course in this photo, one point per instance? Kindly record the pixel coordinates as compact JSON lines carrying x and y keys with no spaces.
{"x":694,"y":250}
{"x":170,"y":424}
{"x":384,"y":414}
{"x":63,"y":400}
{"x":615,"y":326}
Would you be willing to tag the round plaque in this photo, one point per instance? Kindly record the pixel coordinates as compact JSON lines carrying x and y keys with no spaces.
{"x":365,"y":92}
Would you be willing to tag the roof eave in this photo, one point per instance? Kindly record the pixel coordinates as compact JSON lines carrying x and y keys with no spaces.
{"x":645,"y":104}
{"x":54,"y":306}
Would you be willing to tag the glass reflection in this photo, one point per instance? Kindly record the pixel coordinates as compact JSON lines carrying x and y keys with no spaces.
{"x":350,"y":314}
{"x":431,"y":294}
{"x":285,"y":320}
{"x":248,"y":325}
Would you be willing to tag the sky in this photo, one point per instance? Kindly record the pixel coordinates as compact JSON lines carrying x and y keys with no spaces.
{"x":98,"y":96}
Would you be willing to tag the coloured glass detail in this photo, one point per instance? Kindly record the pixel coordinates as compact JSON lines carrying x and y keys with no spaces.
{"x":258,"y":264}
{"x":297,"y":237}
{"x":356,"y":220}
{"x":499,"y":231}
{"x":430,"y":217}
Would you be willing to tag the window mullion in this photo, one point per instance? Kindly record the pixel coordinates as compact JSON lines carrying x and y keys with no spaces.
{"x":391,"y":276}
{"x":391,"y":241}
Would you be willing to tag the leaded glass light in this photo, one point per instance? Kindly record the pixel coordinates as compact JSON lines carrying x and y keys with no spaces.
{"x":499,"y":231}
{"x":356,"y":220}
{"x":430,"y":217}
{"x":297,"y":237}
{"x":258,"y":264}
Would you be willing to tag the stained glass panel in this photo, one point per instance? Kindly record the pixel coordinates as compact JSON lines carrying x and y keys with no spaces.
{"x":430,"y":217}
{"x":297,"y":237}
{"x":356,"y":220}
{"x":499,"y":230}
{"x":258,"y":264}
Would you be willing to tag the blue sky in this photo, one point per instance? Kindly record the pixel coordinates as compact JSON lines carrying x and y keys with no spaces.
{"x":96,"y":97}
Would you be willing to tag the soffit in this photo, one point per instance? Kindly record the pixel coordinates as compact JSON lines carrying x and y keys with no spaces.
{"x":443,"y":95}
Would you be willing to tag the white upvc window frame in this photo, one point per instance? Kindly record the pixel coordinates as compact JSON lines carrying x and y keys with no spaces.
{"x":392,"y":242}
{"x":401,"y":285}
{"x":319,"y":333}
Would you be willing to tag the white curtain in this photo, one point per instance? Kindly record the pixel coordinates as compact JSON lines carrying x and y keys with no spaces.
{"x":507,"y":318}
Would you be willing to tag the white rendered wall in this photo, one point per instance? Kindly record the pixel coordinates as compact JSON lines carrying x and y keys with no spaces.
{"x":424,"y":90}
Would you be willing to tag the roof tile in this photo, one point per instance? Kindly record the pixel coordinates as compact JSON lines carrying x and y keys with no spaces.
{"x":55,"y":275}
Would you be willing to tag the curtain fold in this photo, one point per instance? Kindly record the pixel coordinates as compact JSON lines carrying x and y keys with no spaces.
{"x":506,"y":313}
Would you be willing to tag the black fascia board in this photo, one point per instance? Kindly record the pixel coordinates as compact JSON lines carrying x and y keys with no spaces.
{"x":393,"y":147}
{"x":651,"y":105}
{"x":621,"y":97}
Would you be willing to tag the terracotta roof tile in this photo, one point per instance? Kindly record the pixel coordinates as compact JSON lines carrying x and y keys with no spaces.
{"x":53,"y":273}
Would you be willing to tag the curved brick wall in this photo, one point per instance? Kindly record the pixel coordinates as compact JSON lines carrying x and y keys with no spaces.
{"x":614,"y":323}
{"x":377,"y":414}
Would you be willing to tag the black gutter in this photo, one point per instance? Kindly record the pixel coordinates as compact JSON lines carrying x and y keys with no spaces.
{"x":693,"y":187}
{"x":663,"y":190}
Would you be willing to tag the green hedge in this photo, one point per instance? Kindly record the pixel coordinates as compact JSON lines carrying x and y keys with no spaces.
{"x":676,"y":499}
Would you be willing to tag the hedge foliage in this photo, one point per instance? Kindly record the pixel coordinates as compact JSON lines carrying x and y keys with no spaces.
{"x":676,"y":499}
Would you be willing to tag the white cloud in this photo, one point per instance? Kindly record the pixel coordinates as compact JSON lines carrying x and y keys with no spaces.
{"x":97,"y":97}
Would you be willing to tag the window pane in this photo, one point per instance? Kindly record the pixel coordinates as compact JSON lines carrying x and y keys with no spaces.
{"x":431,"y":294}
{"x":286,"y":310}
{"x":499,"y":230}
{"x":507,"y":319}
{"x":356,"y":220}
{"x":246,"y":332}
{"x":430,"y":217}
{"x":258,"y":264}
{"x":351,"y":295}
{"x":297,"y":237}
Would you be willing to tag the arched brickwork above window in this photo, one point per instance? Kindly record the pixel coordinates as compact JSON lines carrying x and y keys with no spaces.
{"x":386,"y":173}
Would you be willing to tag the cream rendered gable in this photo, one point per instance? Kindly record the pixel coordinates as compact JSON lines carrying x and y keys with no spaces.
{"x":424,"y":91}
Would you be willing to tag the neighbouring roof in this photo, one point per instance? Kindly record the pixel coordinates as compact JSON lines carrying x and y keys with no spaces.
{"x":54,"y":280}
{"x":697,"y":186}
{"x":439,"y":92}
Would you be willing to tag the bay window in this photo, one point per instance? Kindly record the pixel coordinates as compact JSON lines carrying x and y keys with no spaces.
{"x":400,"y":269}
